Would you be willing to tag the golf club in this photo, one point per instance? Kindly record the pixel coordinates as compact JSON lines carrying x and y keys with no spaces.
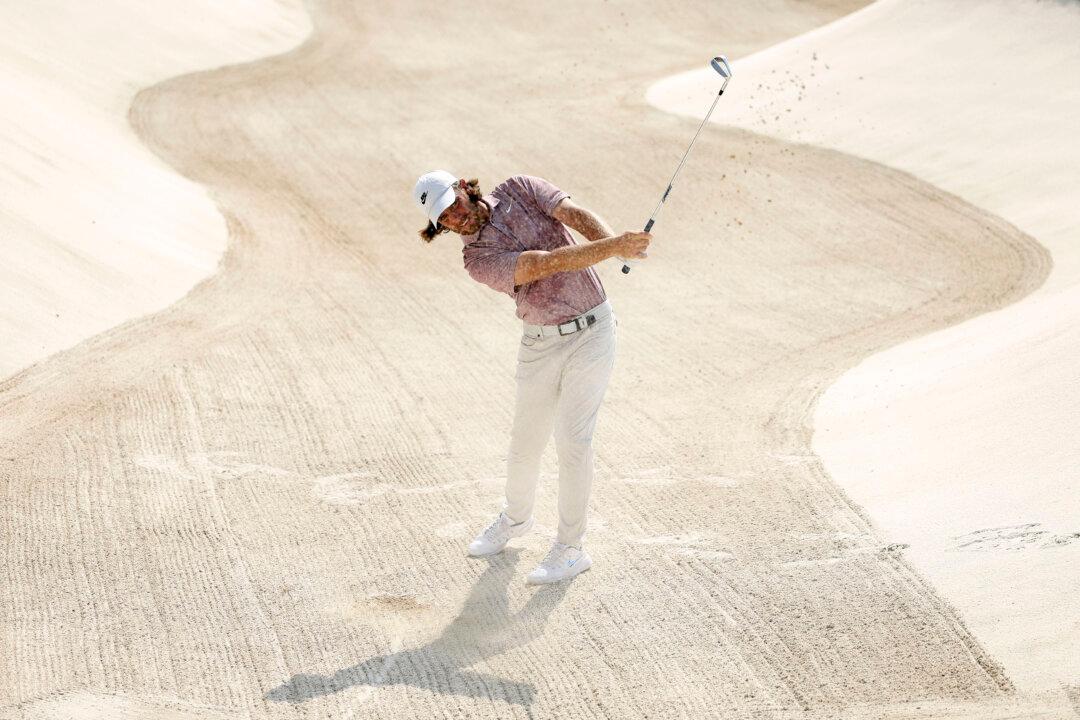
{"x":720,"y":65}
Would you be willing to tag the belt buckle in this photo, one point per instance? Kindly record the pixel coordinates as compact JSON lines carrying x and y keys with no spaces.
{"x":588,"y":320}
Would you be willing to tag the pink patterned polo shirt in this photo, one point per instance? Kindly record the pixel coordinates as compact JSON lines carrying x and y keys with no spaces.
{"x":521,"y":220}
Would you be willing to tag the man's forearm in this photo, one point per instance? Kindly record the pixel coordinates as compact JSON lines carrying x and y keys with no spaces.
{"x":540,"y":264}
{"x":588,"y":223}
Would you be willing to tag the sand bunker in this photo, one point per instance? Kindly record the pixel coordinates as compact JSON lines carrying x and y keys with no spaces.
{"x":95,"y":229}
{"x":256,"y":502}
{"x":962,"y":443}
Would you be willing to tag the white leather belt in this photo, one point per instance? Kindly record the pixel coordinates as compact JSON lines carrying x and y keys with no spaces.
{"x":570,"y":326}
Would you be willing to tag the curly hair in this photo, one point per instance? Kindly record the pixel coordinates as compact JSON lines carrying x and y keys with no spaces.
{"x":472,"y":191}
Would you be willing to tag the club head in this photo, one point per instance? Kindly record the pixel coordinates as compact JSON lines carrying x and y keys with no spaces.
{"x":720,"y":65}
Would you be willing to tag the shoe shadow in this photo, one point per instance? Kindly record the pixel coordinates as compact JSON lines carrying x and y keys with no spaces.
{"x":484,"y":628}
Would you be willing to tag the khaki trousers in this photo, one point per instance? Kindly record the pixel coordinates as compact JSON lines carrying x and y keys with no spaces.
{"x":561,"y":381}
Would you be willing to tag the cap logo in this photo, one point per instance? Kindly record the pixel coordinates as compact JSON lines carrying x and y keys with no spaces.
{"x":423,"y":198}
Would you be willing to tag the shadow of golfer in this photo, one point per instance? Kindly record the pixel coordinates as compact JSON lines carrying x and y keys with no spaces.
{"x":483,"y":629}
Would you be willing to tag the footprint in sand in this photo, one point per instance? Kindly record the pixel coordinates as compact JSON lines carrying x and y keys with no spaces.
{"x":688,"y":545}
{"x":835,"y":547}
{"x":349,"y":488}
{"x":223,"y":465}
{"x":1012,"y":537}
{"x":663,"y":477}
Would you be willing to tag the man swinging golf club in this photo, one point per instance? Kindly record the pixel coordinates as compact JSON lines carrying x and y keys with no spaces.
{"x":516,"y":242}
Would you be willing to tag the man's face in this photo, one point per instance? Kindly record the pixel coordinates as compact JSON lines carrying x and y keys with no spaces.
{"x":463,"y":217}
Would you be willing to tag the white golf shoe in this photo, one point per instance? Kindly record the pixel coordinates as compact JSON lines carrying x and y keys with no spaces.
{"x":497,"y":534}
{"x":561,"y":562}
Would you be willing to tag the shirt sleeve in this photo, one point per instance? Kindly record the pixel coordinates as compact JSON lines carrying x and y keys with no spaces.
{"x":492,"y":266}
{"x":544,"y":194}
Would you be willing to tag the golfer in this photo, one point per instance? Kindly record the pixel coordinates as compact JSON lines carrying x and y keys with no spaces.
{"x":516,"y":242}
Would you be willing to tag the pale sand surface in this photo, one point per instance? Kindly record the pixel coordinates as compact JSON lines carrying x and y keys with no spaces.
{"x":256,"y":502}
{"x":962,"y":444}
{"x":94,"y":228}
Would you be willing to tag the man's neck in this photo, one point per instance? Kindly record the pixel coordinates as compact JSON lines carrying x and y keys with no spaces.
{"x":485,"y":212}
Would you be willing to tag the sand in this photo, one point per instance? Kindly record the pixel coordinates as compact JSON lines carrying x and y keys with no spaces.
{"x":95,"y":228}
{"x":961,"y":443}
{"x":255,"y":502}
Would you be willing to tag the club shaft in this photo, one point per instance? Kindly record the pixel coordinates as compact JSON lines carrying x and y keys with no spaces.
{"x":671,"y":183}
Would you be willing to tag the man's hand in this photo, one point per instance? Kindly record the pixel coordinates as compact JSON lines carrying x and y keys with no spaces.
{"x":632,"y":245}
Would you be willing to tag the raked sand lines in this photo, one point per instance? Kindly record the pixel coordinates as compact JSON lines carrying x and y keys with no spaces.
{"x":160,"y":521}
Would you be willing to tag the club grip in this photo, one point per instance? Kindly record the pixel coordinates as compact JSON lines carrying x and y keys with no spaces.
{"x":648,"y":227}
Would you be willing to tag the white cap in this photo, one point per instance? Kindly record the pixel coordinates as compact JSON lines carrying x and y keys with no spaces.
{"x":434,"y":192}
